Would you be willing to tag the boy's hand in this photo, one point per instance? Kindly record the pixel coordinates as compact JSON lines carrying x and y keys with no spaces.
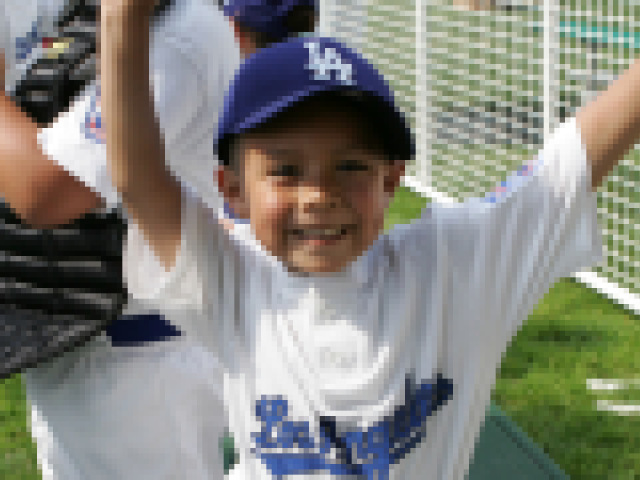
{"x":227,"y":224}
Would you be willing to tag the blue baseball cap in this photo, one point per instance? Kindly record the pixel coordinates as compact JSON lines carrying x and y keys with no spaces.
{"x":281,"y":76}
{"x":265,"y":16}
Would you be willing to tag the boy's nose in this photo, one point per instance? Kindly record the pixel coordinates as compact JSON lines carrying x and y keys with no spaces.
{"x":318,"y":195}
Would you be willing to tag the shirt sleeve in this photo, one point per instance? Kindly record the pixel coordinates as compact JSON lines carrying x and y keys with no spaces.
{"x":505,"y":251}
{"x":73,"y":141}
{"x":539,"y":226}
{"x":199,"y":289}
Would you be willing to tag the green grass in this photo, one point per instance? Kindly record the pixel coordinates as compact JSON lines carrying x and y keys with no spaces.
{"x":574,"y":334}
{"x":17,"y":451}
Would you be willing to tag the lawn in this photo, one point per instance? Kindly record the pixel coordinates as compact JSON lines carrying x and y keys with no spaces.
{"x":574,"y":334}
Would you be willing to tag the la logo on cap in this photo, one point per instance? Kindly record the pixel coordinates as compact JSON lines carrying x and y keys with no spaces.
{"x":327,"y":61}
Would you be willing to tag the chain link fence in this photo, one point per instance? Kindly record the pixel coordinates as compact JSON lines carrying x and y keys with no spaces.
{"x":484,"y":83}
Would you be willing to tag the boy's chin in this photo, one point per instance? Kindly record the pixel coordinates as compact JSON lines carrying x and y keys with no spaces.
{"x":318,"y":265}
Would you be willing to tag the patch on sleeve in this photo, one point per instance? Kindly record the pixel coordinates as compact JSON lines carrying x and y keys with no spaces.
{"x":513,"y":182}
{"x":26,"y":44}
{"x":92,"y":126}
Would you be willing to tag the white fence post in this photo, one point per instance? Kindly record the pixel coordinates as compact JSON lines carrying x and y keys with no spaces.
{"x":423,"y":140}
{"x":550,"y":77}
{"x":325,"y":17}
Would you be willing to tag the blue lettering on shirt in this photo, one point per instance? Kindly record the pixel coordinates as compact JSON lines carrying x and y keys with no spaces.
{"x":287,"y":447}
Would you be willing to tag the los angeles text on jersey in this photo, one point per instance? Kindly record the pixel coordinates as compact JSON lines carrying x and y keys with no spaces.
{"x":287,"y":447}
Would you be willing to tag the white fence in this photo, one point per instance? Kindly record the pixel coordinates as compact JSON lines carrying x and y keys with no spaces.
{"x":484,"y":89}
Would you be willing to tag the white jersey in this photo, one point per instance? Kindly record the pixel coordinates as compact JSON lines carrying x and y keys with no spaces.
{"x":192,"y":61}
{"x":386,"y":369}
{"x":127,"y":407}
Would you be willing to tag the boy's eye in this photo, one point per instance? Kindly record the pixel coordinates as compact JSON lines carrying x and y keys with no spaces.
{"x":353,"y":166}
{"x":293,"y":170}
{"x":285,"y":171}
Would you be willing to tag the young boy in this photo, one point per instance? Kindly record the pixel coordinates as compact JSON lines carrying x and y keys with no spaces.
{"x":348,"y":352}
{"x":260,"y":23}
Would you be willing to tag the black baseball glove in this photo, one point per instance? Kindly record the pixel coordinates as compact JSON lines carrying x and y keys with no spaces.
{"x":58,"y":287}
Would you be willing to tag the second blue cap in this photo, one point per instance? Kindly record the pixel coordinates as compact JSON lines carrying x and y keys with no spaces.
{"x":265,"y":16}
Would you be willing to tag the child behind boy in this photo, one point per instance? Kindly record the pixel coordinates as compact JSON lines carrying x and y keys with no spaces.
{"x":258,"y":24}
{"x":348,"y":352}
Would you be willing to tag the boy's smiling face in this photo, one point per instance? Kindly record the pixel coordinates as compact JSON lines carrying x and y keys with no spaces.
{"x":313,"y":185}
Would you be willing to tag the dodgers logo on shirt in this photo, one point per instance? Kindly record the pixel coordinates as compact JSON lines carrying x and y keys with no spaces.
{"x":92,"y":126}
{"x":25,"y":45}
{"x":287,"y":447}
{"x":513,"y":182}
{"x":327,"y":61}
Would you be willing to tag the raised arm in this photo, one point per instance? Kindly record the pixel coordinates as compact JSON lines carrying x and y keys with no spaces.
{"x":610,"y":124}
{"x":135,"y":149}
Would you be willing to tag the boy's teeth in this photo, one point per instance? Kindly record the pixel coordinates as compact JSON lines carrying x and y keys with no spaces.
{"x":321,"y":232}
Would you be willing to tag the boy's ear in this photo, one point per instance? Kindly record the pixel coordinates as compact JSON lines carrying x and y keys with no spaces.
{"x":230,"y":187}
{"x":395,"y":173}
{"x":241,"y":37}
{"x":219,"y":177}
{"x":225,"y":184}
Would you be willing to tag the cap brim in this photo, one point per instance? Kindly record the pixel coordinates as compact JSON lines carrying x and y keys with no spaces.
{"x":391,"y":128}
